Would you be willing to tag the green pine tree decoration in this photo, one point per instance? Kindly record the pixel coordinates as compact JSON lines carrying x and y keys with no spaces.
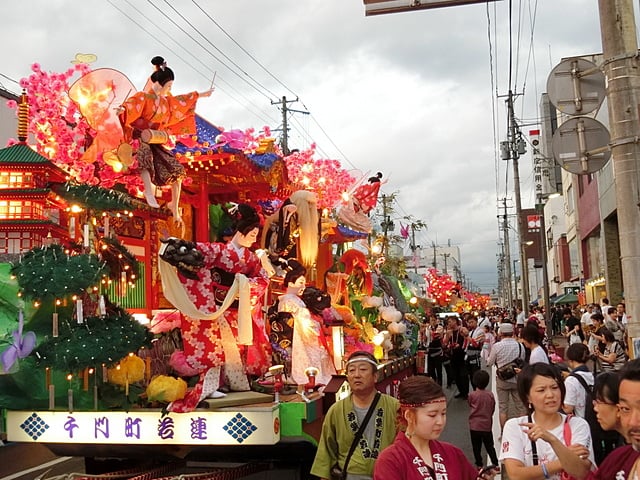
{"x":46,"y":273}
{"x":94,"y":197}
{"x":99,"y":340}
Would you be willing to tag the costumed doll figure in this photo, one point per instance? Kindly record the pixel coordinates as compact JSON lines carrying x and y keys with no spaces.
{"x":150,"y":117}
{"x":219,"y":288}
{"x":292,"y":232}
{"x":308,"y":348}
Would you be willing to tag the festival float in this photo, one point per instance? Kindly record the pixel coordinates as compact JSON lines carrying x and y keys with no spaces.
{"x":172,"y":289}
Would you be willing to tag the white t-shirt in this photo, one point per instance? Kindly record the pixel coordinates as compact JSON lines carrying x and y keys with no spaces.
{"x":625,"y":320}
{"x":482,"y":321}
{"x":576,"y":395}
{"x":517,"y":445}
{"x":538,"y":355}
{"x":586,"y":319}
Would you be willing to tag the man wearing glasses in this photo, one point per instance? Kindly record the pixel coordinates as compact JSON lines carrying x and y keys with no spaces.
{"x":624,"y":462}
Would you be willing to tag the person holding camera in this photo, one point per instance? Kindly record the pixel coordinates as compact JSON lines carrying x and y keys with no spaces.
{"x":503,"y":353}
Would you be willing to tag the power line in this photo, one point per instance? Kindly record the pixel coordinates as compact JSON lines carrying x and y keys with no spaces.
{"x":207,"y":77}
{"x":242,"y":48}
{"x":192,"y":26}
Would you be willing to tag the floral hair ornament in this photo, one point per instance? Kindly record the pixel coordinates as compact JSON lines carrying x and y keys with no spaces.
{"x":422,"y":404}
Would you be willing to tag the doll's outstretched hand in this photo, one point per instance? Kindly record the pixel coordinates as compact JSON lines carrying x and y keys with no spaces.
{"x":266,"y":262}
{"x":206,"y":93}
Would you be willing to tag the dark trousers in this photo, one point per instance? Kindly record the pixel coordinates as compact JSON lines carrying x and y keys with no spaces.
{"x":477,"y":439}
{"x":434,"y":369}
{"x":459,"y":367}
{"x":473,"y":365}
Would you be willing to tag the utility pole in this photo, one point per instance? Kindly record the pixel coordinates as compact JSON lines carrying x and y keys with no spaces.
{"x":545,"y":260}
{"x":445,"y":256}
{"x":507,"y":252}
{"x":435,"y":260}
{"x":515,"y":278}
{"x":386,"y":224}
{"x":284,"y":144}
{"x":620,"y":49}
{"x":414,"y":247}
{"x":517,"y":148}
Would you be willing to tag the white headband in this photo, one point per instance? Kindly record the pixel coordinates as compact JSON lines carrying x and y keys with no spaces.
{"x":362,"y":359}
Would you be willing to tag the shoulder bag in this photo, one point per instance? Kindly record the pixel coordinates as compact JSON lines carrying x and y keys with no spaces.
{"x":338,"y":473}
{"x":507,"y":371}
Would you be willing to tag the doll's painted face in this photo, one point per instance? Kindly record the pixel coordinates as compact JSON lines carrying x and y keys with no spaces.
{"x":248,"y":239}
{"x":299,"y":285}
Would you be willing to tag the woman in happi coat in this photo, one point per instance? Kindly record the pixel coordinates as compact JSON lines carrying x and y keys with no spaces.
{"x":416,"y":453}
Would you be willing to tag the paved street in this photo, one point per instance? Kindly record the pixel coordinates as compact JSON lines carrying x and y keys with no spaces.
{"x":32,"y":461}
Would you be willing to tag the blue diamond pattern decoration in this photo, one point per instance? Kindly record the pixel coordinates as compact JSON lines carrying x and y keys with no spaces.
{"x":240,"y":428}
{"x":34,"y":426}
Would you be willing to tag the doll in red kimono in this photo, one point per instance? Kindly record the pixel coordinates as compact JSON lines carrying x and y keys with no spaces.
{"x":219,"y":288}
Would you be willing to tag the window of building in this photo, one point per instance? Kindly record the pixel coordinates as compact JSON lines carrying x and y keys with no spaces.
{"x":570,"y":203}
{"x":573,"y":258}
{"x":16,"y":180}
{"x":53,"y":214}
{"x":18,"y":242}
{"x":20,"y":209}
{"x":594,"y":255}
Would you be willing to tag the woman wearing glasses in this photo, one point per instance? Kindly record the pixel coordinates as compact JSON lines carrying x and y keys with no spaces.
{"x":605,"y":405}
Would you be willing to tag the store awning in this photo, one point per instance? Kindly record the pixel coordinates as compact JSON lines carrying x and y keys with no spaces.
{"x":566,"y":299}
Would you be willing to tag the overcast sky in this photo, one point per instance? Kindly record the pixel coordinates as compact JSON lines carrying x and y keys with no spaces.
{"x":406,"y":94}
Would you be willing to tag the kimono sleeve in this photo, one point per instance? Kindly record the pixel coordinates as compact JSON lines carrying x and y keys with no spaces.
{"x":211,"y":253}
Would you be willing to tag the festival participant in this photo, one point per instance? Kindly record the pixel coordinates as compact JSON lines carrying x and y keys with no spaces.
{"x":561,"y":443}
{"x":482,"y":404}
{"x":504,"y":352}
{"x":605,"y":405}
{"x":455,"y":340}
{"x":473,"y":347}
{"x":416,"y":453}
{"x":576,"y":395}
{"x":622,"y":463}
{"x":307,"y":349}
{"x":435,"y":350}
{"x":345,"y":418}
{"x":215,"y":326}
{"x":532,"y":340}
{"x":614,"y":356}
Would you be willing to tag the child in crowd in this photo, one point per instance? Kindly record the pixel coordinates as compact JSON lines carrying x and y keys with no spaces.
{"x":482,"y":405}
{"x":489,"y":340}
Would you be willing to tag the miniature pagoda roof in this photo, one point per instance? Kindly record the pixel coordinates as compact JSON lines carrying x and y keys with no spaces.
{"x":23,"y":154}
